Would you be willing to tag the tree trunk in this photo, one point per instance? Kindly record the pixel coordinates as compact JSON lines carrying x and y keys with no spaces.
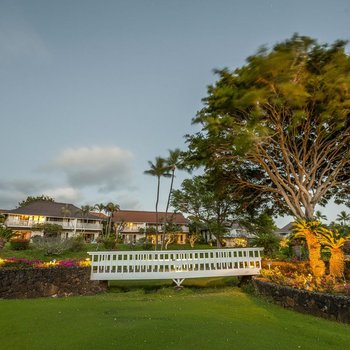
{"x":2,"y":243}
{"x":314,"y":248}
{"x":167,"y":207}
{"x":336,"y":263}
{"x":157,"y":201}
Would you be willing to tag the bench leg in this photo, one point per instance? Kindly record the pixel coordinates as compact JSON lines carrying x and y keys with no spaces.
{"x":178,"y":281}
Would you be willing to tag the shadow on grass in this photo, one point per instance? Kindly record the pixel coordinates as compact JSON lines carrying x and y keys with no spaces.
{"x":153,"y":286}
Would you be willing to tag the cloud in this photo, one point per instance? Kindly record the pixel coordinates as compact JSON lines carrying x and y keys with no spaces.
{"x":20,"y":41}
{"x":64,"y":194}
{"x":21,"y":185}
{"x":105,"y":168}
{"x":14,"y":191}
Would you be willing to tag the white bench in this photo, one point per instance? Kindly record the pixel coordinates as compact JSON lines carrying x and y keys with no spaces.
{"x":175,"y":264}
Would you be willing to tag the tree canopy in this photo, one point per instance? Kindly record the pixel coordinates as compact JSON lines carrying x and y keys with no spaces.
{"x":31,"y":199}
{"x":206,"y":201}
{"x":280,"y":126}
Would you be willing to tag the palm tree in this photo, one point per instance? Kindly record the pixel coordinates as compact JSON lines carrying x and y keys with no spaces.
{"x":84,"y":211}
{"x":173,"y":162}
{"x":343,"y":217}
{"x":319,"y":216}
{"x":333,"y":242}
{"x":111,"y":208}
{"x":308,"y":230}
{"x":100,"y":207}
{"x":5,"y":235}
{"x":158,"y":169}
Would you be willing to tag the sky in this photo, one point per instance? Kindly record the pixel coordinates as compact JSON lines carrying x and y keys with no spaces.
{"x":90,"y":91}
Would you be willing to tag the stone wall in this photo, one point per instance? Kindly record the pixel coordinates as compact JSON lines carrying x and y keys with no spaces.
{"x":48,"y":282}
{"x":334,"y":307}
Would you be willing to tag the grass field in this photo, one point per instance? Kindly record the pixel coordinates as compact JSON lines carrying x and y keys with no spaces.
{"x":162,"y":318}
{"x":34,"y":253}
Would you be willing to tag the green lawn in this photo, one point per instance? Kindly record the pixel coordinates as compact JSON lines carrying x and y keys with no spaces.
{"x":34,"y":253}
{"x":193,"y":318}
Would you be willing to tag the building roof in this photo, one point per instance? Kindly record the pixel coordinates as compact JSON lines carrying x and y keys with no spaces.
{"x":147,"y":217}
{"x":99,"y":215}
{"x":52,"y":209}
{"x":285,"y":229}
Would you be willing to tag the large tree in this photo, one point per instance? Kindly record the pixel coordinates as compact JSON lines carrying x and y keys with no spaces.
{"x":280,"y":125}
{"x":206,"y":202}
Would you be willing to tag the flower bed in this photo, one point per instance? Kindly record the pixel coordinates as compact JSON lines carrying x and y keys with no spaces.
{"x":304,"y":280}
{"x":31,"y":278}
{"x":37,"y":263}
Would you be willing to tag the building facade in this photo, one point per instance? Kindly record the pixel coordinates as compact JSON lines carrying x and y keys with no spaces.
{"x":132,"y":225}
{"x":234,"y":236}
{"x":25,"y":220}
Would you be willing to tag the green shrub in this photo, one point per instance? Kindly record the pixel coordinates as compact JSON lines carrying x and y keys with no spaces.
{"x":145,"y":243}
{"x":5,"y":235}
{"x":268,"y":241}
{"x":52,"y":245}
{"x":36,"y":239}
{"x":77,"y":244}
{"x":19,"y":244}
{"x":109,"y":243}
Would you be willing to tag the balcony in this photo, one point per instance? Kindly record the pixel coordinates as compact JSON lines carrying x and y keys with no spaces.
{"x":21,"y":223}
{"x":136,"y":228}
{"x":67,"y":225}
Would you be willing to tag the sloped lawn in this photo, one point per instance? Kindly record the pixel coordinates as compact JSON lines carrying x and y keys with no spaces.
{"x":32,"y":253}
{"x":210,"y":318}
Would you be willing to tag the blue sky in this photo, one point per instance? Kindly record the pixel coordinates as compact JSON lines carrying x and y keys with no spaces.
{"x":92,"y":90}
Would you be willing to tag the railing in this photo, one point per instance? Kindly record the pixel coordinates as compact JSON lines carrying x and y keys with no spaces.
{"x":88,"y":226}
{"x":144,"y":228}
{"x":71,"y":225}
{"x":22,"y":223}
{"x":175,"y":264}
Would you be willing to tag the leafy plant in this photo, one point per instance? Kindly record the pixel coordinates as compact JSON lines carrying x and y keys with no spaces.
{"x":48,"y":229}
{"x":19,"y":244}
{"x":268,"y":241}
{"x":5,"y":235}
{"x":146,"y":243}
{"x":108,"y":243}
{"x":53,"y":245}
{"x":77,"y":243}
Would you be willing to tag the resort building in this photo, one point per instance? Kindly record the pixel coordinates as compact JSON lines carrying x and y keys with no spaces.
{"x":235,"y":235}
{"x":24,"y":220}
{"x":285,"y":231}
{"x":134,"y":225}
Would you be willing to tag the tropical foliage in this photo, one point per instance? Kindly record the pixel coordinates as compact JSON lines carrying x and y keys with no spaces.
{"x":299,"y":280}
{"x":332,"y":241}
{"x":321,"y":237}
{"x":5,"y":235}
